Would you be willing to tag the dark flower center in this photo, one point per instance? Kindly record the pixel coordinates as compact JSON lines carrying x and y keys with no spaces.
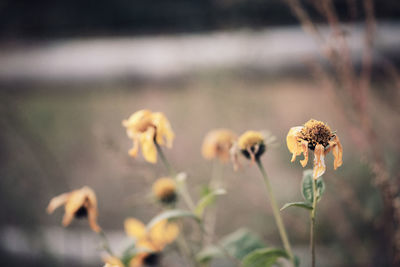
{"x":316,"y":132}
{"x":152,"y":259}
{"x":256,"y":151}
{"x":81,"y":212}
{"x":169,"y":198}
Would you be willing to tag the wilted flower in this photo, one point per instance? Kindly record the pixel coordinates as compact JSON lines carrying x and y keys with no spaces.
{"x":79,"y":203}
{"x":252,"y":144}
{"x":152,"y":241}
{"x":217,"y":144}
{"x":318,"y":137}
{"x":164,"y":189}
{"x":145,"y":128}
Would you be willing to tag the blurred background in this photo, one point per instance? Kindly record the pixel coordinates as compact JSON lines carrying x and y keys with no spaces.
{"x":71,"y":71}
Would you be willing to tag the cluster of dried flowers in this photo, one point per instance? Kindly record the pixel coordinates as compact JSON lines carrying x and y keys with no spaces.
{"x":152,"y":130}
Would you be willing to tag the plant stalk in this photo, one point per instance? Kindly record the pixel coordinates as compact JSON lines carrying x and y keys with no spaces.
{"x":312,"y":224}
{"x":181,"y":186}
{"x":276,"y":213}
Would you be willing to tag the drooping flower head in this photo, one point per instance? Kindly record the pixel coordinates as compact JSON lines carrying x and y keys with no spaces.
{"x":152,"y":241}
{"x":164,"y":190}
{"x":252,"y":144}
{"x":217,"y":144}
{"x":147,"y":128}
{"x":80,"y":203}
{"x":318,"y":137}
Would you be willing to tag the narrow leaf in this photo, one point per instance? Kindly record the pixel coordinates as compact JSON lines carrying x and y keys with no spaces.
{"x":264,"y":257}
{"x":304,"y":205}
{"x":171,"y":214}
{"x":207,"y":200}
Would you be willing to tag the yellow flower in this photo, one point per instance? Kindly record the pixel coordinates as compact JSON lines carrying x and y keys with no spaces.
{"x":78,"y":203}
{"x":217,"y":144}
{"x":145,"y":128}
{"x":318,"y":137}
{"x":112,"y":261}
{"x":152,"y":241}
{"x":164,"y":189}
{"x":252,"y":144}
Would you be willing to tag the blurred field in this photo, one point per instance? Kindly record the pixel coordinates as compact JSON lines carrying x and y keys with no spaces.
{"x":55,"y":140}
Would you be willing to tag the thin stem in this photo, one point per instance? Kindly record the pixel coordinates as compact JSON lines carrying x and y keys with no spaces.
{"x":312,"y":230}
{"x":276,"y":213}
{"x":210,"y":219}
{"x":105,"y":244}
{"x":185,"y":248}
{"x":181,"y":185}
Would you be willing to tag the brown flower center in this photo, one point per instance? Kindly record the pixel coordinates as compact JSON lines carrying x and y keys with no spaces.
{"x":153,"y":259}
{"x":81,"y":212}
{"x":316,"y":132}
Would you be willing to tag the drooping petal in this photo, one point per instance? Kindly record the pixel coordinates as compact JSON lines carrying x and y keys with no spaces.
{"x":134,"y":150}
{"x":337,"y":151}
{"x":57,"y":201}
{"x":304,"y":150}
{"x":292,"y":142}
{"x":137,"y":118}
{"x":76,"y":199}
{"x":149,"y":149}
{"x":92,"y":217}
{"x":164,"y":129}
{"x":163,"y":233}
{"x":135,"y":228}
{"x":319,"y":161}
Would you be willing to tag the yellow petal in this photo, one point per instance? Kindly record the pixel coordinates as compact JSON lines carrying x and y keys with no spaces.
{"x":149,"y":149}
{"x":164,"y":233}
{"x":135,"y":228}
{"x":57,"y":201}
{"x":75,"y":201}
{"x":304,"y":149}
{"x":319,"y":162}
{"x":292,"y":142}
{"x":163,"y":129}
{"x":337,"y":151}
{"x":137,"y":118}
{"x":134,"y":150}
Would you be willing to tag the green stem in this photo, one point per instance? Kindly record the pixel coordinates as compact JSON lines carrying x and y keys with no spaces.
{"x":181,"y":185}
{"x":210,"y":218}
{"x":106,"y":244}
{"x":312,"y":230}
{"x":276,"y":213}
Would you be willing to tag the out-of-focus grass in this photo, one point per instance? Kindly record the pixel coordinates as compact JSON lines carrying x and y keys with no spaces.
{"x":57,"y":139}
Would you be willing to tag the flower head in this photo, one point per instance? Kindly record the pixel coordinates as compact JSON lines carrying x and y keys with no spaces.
{"x":164,"y":189}
{"x":147,"y":128}
{"x":318,"y":137}
{"x":217,"y":144}
{"x":252,"y":144}
{"x":79,"y":203}
{"x":152,"y":241}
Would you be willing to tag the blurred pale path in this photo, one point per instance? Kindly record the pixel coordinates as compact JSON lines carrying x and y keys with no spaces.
{"x":272,"y":49}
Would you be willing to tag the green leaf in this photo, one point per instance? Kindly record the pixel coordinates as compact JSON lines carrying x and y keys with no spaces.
{"x":304,"y":205}
{"x":307,"y":186}
{"x":264,"y":257}
{"x":320,"y":188}
{"x":171,"y":214}
{"x":237,"y":244}
{"x":208,"y":253}
{"x":207,"y":200}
